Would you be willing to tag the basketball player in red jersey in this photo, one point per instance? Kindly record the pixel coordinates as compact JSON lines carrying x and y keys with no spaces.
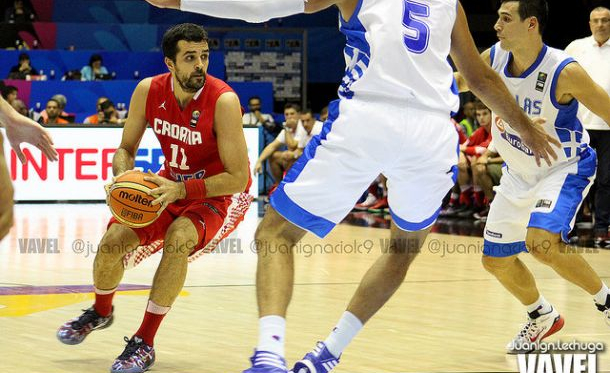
{"x":197,"y":119}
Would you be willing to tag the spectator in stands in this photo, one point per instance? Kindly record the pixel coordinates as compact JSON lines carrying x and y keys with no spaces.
{"x":281,"y":160}
{"x":324,"y":114}
{"x":23,"y":68}
{"x":9,"y":93}
{"x":593,"y":54}
{"x":487,"y":173}
{"x":109,"y":113}
{"x":20,"y":107}
{"x":94,"y":68}
{"x":469,"y":121}
{"x":62,"y":101}
{"x":19,"y":13}
{"x":254,"y":117}
{"x":99,"y":115}
{"x":312,"y":127}
{"x":471,"y":198}
{"x":53,"y":112}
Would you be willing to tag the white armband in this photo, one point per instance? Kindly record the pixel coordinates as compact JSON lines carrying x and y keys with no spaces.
{"x":254,"y":11}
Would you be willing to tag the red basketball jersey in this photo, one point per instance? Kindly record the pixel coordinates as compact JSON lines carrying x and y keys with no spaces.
{"x":186,"y":136}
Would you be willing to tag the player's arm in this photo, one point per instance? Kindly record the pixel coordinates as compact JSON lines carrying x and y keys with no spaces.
{"x":20,"y":129}
{"x":265,"y":154}
{"x":575,"y":82}
{"x":459,"y":79}
{"x":488,"y":86}
{"x":6,"y":195}
{"x":232,"y":150}
{"x":135,"y":125}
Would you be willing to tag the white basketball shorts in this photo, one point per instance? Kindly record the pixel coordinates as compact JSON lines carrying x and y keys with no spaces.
{"x":415,"y":149}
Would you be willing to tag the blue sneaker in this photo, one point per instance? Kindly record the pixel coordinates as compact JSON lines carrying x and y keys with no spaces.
{"x":266,"y":362}
{"x":320,"y":360}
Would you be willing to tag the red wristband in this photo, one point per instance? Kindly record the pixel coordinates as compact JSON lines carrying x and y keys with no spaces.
{"x":195,"y":189}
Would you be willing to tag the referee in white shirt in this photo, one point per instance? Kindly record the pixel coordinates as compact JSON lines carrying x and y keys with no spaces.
{"x":593,"y":54}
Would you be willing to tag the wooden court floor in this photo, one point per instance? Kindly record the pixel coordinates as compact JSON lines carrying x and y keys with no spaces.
{"x":449,"y":315}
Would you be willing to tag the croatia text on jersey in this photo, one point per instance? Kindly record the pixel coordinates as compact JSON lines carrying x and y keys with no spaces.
{"x":176,"y":131}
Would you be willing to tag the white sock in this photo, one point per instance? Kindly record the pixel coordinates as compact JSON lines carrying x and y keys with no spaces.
{"x":602,"y":295}
{"x":542,"y":305}
{"x":272,"y":332}
{"x":346,"y":329}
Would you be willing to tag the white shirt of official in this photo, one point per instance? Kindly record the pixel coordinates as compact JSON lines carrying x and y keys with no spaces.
{"x":596,"y":62}
{"x":251,"y":119}
{"x":315,"y":130}
{"x":297,"y":134}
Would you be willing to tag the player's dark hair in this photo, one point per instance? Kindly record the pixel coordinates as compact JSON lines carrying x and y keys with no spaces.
{"x":185,"y":31}
{"x":533,"y":8}
{"x":479,"y":105}
{"x":292,"y":105}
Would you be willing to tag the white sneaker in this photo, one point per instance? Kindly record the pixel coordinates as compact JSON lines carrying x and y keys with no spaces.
{"x":605,"y":309}
{"x":368,"y":202}
{"x":534,"y":331}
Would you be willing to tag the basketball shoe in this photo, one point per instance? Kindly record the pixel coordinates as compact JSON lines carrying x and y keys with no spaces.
{"x":534,"y":331}
{"x":266,"y":362}
{"x":137,"y":357}
{"x":605,"y":309}
{"x":76,"y":330}
{"x":320,"y":360}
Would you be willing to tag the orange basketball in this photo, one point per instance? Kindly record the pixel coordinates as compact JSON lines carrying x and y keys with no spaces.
{"x":130,"y":202}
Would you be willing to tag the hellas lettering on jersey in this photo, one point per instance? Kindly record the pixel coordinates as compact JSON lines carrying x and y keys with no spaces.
{"x":176,"y":131}
{"x":531,"y":107}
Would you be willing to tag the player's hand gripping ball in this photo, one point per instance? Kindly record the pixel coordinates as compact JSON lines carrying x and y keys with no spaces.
{"x":130,"y":202}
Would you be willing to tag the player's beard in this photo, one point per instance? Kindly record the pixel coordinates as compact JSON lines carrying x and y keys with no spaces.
{"x":191,"y":83}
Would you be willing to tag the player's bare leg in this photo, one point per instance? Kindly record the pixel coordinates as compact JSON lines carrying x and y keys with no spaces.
{"x":180,"y":240}
{"x":548,"y":248}
{"x":275,"y":238}
{"x":377,"y":286}
{"x":107,"y":273}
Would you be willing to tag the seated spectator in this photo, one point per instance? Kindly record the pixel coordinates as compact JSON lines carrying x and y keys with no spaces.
{"x":23,"y":68}
{"x":469,"y":123}
{"x":109,"y":113}
{"x":53,"y":112}
{"x":20,"y":107}
{"x":62,"y":101}
{"x":487,"y":173}
{"x":19,"y":13}
{"x":281,"y":160}
{"x":324,"y":114}
{"x":94,"y":68}
{"x":99,"y":115}
{"x":312,"y":127}
{"x":9,"y":93}
{"x":255,"y":117}
{"x":471,"y":197}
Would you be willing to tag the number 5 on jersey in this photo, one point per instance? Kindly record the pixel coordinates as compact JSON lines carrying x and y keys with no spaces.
{"x":418,"y":33}
{"x":173,"y":163}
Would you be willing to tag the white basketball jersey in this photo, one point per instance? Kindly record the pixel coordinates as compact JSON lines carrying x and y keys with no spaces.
{"x":397,"y":50}
{"x":535,"y":92}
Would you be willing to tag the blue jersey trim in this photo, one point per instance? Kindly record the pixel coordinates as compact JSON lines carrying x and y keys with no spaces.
{"x":288,"y":208}
{"x":492,"y":55}
{"x":503,"y":250}
{"x":559,"y":220}
{"x":553,"y":92}
{"x":530,"y":69}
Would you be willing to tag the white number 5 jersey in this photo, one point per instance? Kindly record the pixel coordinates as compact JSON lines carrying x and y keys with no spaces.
{"x":397,"y":51}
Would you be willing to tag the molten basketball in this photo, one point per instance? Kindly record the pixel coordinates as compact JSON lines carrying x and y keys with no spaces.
{"x":130,"y":202}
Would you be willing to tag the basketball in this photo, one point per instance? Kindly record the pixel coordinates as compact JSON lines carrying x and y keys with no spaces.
{"x":130,"y":202}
